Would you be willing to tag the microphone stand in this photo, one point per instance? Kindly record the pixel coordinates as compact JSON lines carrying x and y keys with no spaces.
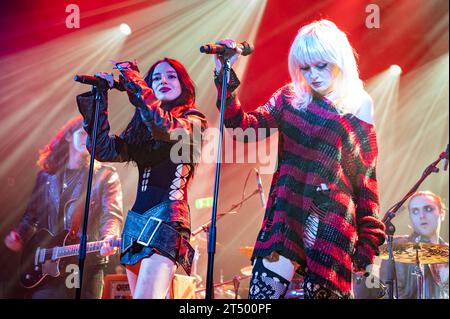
{"x":390,"y":228}
{"x":83,"y":239}
{"x":205,"y":227}
{"x":212,"y":230}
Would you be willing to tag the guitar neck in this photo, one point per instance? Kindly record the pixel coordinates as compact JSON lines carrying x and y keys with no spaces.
{"x":73,"y":250}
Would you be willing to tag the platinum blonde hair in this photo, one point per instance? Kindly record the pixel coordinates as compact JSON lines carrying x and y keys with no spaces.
{"x":323,"y":41}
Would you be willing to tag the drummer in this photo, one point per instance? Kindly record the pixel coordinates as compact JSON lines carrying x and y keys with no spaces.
{"x":426,"y":213}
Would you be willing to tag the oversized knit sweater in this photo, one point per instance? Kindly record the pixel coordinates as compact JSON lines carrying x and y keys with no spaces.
{"x":322,"y":211}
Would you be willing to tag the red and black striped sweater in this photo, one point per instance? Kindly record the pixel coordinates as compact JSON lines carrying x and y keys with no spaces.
{"x":322,"y":211}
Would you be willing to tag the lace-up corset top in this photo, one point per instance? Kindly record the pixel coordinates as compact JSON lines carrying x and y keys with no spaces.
{"x":164,"y":181}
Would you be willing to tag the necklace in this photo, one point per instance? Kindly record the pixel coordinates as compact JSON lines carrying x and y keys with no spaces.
{"x":70,"y":178}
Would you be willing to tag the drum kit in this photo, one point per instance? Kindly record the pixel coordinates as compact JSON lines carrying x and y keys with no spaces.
{"x":231,"y":289}
{"x":418,"y":254}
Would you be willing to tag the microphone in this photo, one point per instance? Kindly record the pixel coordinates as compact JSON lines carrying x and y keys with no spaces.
{"x":446,"y":159}
{"x":221,"y":49}
{"x":260,"y":188}
{"x":99,"y":82}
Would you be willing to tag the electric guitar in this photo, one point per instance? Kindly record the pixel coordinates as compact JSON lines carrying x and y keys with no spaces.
{"x":43,"y":252}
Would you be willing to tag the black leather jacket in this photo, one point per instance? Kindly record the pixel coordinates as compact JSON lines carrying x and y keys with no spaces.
{"x":105,"y":216}
{"x":162,"y":124}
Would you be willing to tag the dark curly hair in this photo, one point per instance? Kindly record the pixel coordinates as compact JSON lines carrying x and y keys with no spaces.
{"x":55,"y":154}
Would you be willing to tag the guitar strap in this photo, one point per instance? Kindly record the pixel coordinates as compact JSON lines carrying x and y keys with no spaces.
{"x":77,"y":216}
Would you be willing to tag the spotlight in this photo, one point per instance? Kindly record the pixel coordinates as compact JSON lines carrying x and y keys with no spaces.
{"x":125,"y":29}
{"x":395,"y":70}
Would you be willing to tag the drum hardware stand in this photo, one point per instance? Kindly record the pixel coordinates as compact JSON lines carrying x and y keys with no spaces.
{"x":419,"y":275}
{"x":236,"y":284}
{"x":390,"y":228}
{"x":235,"y":281}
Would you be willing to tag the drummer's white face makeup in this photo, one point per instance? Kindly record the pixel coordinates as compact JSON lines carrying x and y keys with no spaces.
{"x":425,"y":215}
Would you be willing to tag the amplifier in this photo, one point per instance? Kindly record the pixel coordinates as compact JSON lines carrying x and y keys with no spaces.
{"x":117,"y":287}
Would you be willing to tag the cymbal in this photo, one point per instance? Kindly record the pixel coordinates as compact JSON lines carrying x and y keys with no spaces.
{"x":247,"y":271}
{"x":246,"y":250}
{"x":405,"y":252}
{"x":225,"y":287}
{"x":219,"y":293}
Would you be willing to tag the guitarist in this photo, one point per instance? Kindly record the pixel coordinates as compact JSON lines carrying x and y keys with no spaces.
{"x":57,"y":204}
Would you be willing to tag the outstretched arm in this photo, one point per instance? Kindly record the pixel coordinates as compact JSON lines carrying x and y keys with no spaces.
{"x":30,"y":219}
{"x":108,"y":148}
{"x":164,"y":125}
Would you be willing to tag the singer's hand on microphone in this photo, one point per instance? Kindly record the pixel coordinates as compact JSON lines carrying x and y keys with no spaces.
{"x":229,"y":43}
{"x":138,"y":91}
{"x":130,"y":76}
{"x":119,"y":65}
{"x":109,"y":77}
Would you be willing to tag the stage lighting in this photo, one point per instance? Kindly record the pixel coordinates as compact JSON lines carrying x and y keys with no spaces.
{"x":395,"y":70}
{"x":125,"y":29}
